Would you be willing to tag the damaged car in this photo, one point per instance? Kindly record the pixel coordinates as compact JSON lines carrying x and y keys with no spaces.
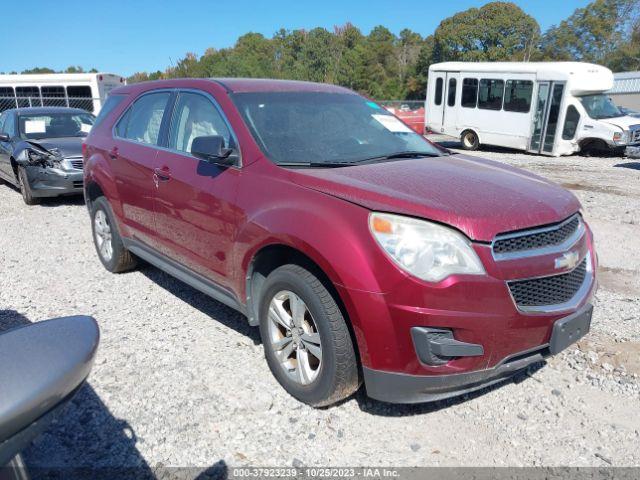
{"x":41,"y":150}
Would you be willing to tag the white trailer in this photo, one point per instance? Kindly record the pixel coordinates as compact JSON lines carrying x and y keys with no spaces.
{"x":550,"y":108}
{"x":79,"y":90}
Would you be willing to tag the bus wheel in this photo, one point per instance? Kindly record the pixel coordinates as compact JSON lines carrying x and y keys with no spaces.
{"x":469,"y":140}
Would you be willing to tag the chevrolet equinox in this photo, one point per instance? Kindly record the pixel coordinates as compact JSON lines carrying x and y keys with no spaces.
{"x":362,"y":251}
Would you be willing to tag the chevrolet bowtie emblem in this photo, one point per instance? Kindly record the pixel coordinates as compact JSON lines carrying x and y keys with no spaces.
{"x":567,"y":260}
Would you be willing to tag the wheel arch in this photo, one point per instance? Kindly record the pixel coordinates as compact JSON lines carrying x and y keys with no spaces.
{"x":273,"y":255}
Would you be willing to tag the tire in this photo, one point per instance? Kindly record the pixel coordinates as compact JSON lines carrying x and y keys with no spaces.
{"x":469,"y":140}
{"x":109,"y":247}
{"x":330,"y":379}
{"x":596,"y":148}
{"x":25,"y":188}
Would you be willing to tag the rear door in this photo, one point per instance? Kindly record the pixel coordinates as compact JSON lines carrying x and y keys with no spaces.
{"x":133,"y":154}
{"x":195,"y":208}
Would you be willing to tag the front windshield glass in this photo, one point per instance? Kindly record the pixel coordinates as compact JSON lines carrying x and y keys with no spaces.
{"x":55,"y":125}
{"x":600,"y":106}
{"x":325,"y":128}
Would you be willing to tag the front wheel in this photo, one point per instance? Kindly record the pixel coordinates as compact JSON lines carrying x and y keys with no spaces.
{"x":306,"y":340}
{"x":25,"y":188}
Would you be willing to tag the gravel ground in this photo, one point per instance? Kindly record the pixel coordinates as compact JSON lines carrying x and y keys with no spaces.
{"x":180,"y":380}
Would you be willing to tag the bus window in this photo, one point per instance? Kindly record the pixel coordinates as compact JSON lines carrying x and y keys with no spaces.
{"x":490,"y":94}
{"x":469,"y":92}
{"x":53,"y":96}
{"x":571,"y":121}
{"x":517,"y":96}
{"x":451,"y":96}
{"x":80,"y":97}
{"x":7,"y":98}
{"x":28,"y":97}
{"x":438,"y":98}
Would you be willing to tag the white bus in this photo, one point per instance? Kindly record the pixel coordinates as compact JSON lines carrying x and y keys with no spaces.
{"x":80,"y":90}
{"x":551,"y":108}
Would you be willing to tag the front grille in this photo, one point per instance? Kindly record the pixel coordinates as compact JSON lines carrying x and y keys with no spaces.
{"x":552,"y":290}
{"x":77,"y":184}
{"x":635,"y":133}
{"x":541,"y":238}
{"x":76,"y":163}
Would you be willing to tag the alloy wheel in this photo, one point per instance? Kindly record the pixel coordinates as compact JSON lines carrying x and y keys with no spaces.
{"x":294,"y":337}
{"x":102,"y":232}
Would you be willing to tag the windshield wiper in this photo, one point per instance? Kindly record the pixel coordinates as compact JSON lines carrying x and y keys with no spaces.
{"x":316,"y":164}
{"x":400,"y":155}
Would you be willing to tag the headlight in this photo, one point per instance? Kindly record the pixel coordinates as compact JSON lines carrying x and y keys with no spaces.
{"x":426,"y":250}
{"x":621,"y":137}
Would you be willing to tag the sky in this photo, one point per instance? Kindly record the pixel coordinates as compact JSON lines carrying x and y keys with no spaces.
{"x":125,"y":37}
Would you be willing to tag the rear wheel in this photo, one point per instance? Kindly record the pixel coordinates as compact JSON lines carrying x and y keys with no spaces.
{"x":306,"y":340}
{"x":25,"y":188}
{"x":469,"y":140}
{"x":111,"y":251}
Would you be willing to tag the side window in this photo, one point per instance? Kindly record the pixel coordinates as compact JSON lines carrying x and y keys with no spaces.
{"x":469,"y":92}
{"x":7,"y":98}
{"x":142,"y":121}
{"x":438,"y":95}
{"x":451,"y":96}
{"x":195,"y":116}
{"x":112,"y":102}
{"x":28,"y":97}
{"x":53,"y":97}
{"x":80,"y":97}
{"x":517,"y":95}
{"x":490,"y":94}
{"x":571,"y":121}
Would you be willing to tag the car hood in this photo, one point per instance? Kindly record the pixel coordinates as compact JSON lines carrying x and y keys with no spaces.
{"x":479,"y":197}
{"x":67,"y":146}
{"x":622,"y":122}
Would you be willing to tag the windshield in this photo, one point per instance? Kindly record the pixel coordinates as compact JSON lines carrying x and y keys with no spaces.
{"x":325,"y":128}
{"x":600,"y":106}
{"x":55,"y":125}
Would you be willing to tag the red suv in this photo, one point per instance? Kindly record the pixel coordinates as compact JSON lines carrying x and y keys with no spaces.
{"x":361,"y":250}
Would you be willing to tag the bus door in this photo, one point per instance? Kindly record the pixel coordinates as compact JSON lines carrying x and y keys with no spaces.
{"x":545,"y":116}
{"x":450,"y":100}
{"x":435,"y":109}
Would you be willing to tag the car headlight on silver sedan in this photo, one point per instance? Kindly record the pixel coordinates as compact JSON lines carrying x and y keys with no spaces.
{"x":424,"y":249}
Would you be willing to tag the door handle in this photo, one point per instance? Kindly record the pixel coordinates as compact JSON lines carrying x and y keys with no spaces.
{"x":113,"y":153}
{"x":163,"y":174}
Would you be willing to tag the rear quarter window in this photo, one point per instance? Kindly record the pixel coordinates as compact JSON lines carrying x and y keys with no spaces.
{"x":112,"y":102}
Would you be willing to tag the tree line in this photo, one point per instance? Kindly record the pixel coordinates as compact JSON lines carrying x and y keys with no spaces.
{"x":383,"y":65}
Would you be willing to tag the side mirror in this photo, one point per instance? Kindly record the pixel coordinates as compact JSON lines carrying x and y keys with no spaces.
{"x":212,"y":149}
{"x":4,"y":137}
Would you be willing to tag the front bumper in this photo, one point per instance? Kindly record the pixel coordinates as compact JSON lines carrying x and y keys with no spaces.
{"x":396,"y":387}
{"x":52,"y":182}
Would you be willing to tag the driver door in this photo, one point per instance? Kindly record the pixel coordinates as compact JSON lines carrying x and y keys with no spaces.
{"x":195,"y":210}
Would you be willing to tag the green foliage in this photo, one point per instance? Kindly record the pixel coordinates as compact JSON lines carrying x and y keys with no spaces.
{"x":383,"y":65}
{"x":38,"y":70}
{"x":592,"y":33}
{"x":498,"y":31}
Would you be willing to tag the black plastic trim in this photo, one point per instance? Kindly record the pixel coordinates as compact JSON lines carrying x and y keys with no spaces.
{"x":184,"y":274}
{"x":436,"y":346}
